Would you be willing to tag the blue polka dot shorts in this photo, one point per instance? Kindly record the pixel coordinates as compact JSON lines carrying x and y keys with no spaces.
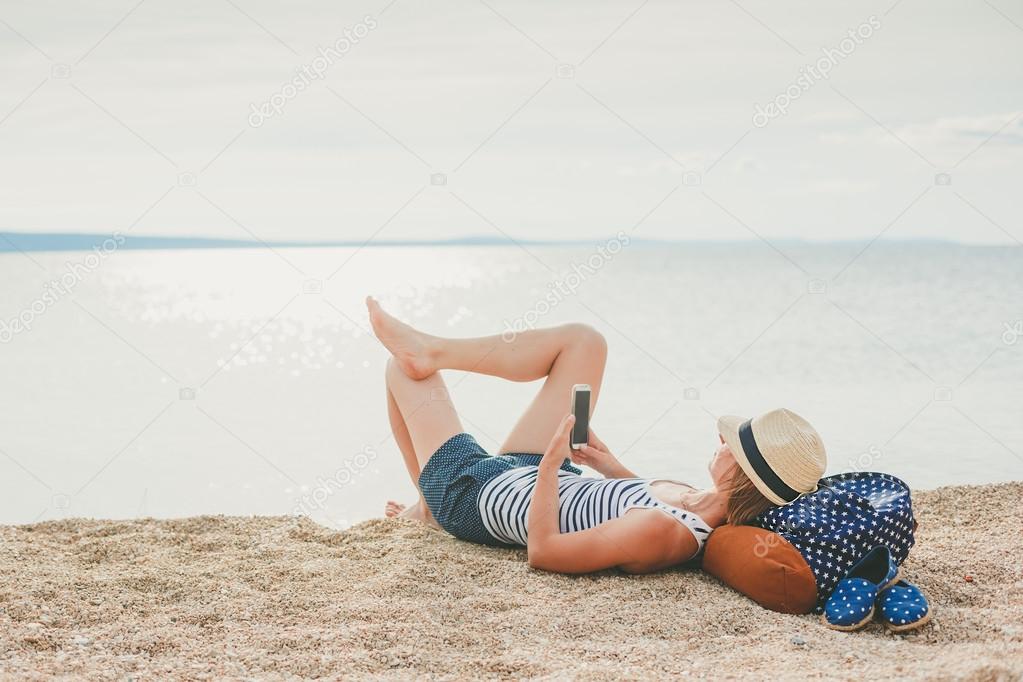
{"x":452,"y":480}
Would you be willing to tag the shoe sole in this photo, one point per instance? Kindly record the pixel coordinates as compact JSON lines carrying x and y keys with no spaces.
{"x":849,"y":628}
{"x":910,"y":626}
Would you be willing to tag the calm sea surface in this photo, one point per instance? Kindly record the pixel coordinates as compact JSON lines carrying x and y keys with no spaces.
{"x":173,"y":383}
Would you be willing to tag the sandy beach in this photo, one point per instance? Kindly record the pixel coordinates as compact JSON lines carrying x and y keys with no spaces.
{"x":276,"y":598}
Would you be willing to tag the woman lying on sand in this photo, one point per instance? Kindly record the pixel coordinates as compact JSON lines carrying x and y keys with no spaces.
{"x":570,"y":523}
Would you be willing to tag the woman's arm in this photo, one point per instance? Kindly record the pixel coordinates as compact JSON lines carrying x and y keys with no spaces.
{"x":635,"y":542}
{"x":542,"y":522}
{"x":639,"y":542}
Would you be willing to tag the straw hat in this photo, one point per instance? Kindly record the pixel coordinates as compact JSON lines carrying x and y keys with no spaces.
{"x":781,"y":453}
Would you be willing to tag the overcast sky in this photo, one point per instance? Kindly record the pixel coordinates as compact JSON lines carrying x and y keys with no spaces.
{"x":543,"y":120}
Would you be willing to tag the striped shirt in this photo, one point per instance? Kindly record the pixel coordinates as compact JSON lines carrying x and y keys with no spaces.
{"x":583,"y":503}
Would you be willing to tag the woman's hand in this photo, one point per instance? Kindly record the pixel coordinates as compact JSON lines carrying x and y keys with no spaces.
{"x":559,"y":449}
{"x":598,"y":456}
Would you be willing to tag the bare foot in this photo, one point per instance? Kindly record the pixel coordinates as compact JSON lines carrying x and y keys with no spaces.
{"x":416,"y":512}
{"x":410,"y":347}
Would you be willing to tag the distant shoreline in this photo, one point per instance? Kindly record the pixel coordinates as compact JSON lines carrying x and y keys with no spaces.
{"x":13,"y":242}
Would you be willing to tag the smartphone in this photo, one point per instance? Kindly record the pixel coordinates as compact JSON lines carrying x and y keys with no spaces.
{"x":581,"y":412}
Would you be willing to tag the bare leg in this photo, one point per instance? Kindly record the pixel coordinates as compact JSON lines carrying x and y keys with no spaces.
{"x":419,"y":511}
{"x":426,"y":410}
{"x":422,"y":419}
{"x":566,"y":355}
{"x":581,"y":360}
{"x":527,"y":356}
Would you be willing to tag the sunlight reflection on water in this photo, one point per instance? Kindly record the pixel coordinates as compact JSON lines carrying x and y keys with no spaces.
{"x":183,"y":382}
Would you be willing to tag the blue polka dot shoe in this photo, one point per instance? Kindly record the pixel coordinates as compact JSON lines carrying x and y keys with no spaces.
{"x":903,"y":607}
{"x":851,"y":605}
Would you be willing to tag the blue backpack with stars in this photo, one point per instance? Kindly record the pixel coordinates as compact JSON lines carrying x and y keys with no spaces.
{"x":845,"y":518}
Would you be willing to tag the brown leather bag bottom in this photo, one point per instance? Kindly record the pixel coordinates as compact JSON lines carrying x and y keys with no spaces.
{"x":763,"y":566}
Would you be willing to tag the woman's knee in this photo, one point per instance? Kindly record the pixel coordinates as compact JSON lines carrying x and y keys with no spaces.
{"x":392,"y":372}
{"x":587,"y":338}
{"x":402,"y":386}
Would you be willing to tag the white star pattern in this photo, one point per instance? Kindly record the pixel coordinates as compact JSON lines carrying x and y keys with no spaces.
{"x":837,"y":514}
{"x":906,"y":597}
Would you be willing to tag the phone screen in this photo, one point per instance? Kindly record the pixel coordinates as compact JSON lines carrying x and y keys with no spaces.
{"x":581,"y":410}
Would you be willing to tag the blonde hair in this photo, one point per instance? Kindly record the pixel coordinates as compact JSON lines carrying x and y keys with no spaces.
{"x":745,"y":501}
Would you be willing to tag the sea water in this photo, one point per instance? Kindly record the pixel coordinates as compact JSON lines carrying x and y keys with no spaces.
{"x":184,"y":382}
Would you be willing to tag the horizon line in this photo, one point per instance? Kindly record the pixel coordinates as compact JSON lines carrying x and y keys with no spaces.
{"x":85,"y":241}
